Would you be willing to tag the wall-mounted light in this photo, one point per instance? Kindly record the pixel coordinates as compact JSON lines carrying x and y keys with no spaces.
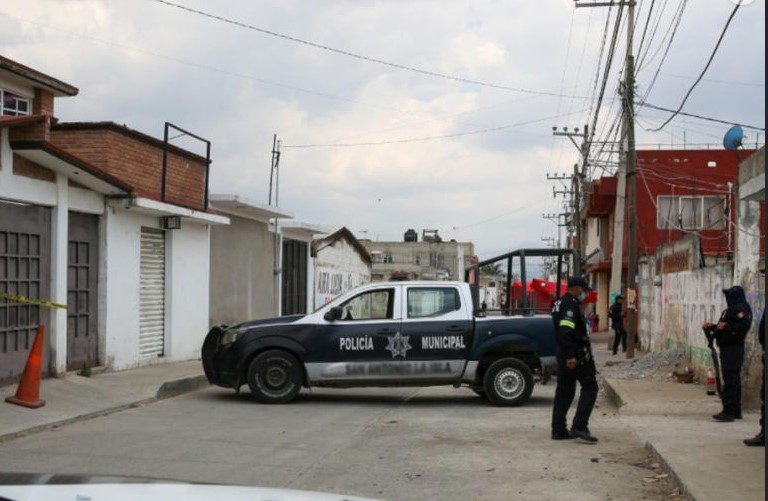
{"x":170,"y":222}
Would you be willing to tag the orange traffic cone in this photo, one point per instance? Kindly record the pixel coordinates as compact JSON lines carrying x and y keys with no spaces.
{"x":28,"y":392}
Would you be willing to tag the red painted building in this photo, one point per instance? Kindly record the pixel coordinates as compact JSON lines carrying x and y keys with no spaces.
{"x":679,"y":192}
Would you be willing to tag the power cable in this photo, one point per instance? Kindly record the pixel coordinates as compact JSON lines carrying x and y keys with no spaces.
{"x":606,"y":73}
{"x":356,"y":55}
{"x":699,"y":117}
{"x":704,"y":71}
{"x":428,"y":138}
{"x":672,"y":32}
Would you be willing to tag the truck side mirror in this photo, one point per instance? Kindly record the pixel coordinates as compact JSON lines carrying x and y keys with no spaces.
{"x":334,"y":314}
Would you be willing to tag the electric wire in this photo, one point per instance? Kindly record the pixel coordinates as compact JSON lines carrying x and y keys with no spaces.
{"x":675,"y":25}
{"x":700,"y":117}
{"x":703,"y":71}
{"x":356,"y":55}
{"x":427,"y":138}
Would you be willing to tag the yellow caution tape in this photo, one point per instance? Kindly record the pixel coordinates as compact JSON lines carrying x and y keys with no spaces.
{"x":26,"y":300}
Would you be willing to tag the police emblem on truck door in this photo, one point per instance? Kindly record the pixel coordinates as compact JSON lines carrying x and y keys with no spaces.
{"x":355,"y":346}
{"x":398,"y":345}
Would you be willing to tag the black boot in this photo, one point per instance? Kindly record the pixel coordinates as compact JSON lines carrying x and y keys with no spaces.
{"x":561,"y":435}
{"x":584,"y":436}
{"x":724,"y":417}
{"x":756,"y":441}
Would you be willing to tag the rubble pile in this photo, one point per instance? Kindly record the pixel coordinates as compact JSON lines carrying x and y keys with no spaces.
{"x":656,"y":365}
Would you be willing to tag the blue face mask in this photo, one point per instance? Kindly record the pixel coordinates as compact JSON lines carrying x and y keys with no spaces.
{"x":582,"y":296}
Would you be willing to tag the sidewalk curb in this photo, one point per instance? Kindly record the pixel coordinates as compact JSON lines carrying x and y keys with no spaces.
{"x":612,"y":394}
{"x":166,"y":390}
{"x":685,"y":492}
{"x":617,"y":400}
{"x":180,"y":386}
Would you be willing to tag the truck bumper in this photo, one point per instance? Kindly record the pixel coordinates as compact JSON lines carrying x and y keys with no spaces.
{"x":218,"y":364}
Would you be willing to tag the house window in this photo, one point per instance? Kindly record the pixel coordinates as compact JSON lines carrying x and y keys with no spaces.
{"x":690,"y":213}
{"x":388,"y":257}
{"x":12,"y":105}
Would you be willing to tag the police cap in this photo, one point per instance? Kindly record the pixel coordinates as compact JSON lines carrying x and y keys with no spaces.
{"x":578,"y":282}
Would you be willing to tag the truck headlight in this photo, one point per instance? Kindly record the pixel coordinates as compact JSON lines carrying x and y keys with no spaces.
{"x":231,"y":335}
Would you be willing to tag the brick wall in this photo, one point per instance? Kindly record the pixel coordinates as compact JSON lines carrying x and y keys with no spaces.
{"x":26,"y":168}
{"x":137,"y":163}
{"x":38,"y":131}
{"x":43,"y":102}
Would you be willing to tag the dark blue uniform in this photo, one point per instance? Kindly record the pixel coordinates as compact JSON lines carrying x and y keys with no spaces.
{"x":616,"y":313}
{"x":573,"y":342}
{"x":730,"y":340}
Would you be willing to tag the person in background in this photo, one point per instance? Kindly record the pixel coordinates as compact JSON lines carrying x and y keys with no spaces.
{"x":730,"y":332}
{"x":759,"y":439}
{"x":616,"y":314}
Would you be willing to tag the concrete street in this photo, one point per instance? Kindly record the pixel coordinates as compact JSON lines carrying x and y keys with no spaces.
{"x":400,"y":444}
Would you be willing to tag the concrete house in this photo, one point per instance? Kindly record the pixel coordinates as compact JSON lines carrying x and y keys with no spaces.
{"x":679,"y":193}
{"x":341,"y":263}
{"x":257,"y":272}
{"x":244,"y":260}
{"x":105,"y":219}
{"x":428,"y":259}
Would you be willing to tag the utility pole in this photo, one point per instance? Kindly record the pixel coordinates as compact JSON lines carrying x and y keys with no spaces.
{"x":277,"y":269}
{"x":629,"y":117}
{"x":577,"y":178}
{"x":628,"y":128}
{"x":556,"y":218}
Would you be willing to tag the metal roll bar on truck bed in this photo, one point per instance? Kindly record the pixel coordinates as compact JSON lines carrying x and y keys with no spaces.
{"x":565,"y":257}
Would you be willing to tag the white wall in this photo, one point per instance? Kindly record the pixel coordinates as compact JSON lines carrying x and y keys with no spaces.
{"x":338,"y":268}
{"x":186,"y":285}
{"x":186,"y":289}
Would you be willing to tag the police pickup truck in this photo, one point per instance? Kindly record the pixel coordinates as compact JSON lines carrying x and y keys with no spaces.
{"x":386,"y":334}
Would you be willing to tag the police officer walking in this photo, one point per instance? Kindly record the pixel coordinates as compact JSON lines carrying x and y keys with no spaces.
{"x":730,"y":332}
{"x":616,"y":314}
{"x":574,"y":363}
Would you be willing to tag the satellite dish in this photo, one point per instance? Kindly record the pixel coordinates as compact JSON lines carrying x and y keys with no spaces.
{"x":734,"y":138}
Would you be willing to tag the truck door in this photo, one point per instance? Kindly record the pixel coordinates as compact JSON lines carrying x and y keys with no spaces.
{"x":439,"y":329}
{"x":365,"y":344}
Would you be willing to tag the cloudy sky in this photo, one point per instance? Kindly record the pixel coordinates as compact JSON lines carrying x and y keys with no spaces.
{"x":141,"y":63}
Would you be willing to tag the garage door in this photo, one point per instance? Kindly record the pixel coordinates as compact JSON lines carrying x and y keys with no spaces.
{"x":25,"y":255}
{"x":152,"y":295}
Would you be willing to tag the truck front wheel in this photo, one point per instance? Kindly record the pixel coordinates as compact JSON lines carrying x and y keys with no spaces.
{"x":274,"y":377}
{"x":508,"y":382}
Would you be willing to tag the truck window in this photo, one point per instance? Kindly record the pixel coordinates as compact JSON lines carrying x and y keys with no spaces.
{"x":426,"y":302}
{"x":370,"y":305}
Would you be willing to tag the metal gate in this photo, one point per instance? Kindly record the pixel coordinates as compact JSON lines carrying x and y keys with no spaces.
{"x":25,"y":256}
{"x":294,"y":294}
{"x":152,"y":294}
{"x":82,"y":294}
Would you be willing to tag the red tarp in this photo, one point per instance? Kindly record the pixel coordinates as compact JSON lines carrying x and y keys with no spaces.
{"x":541,"y":293}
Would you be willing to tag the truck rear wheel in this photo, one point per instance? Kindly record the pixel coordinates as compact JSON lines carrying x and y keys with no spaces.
{"x":508,"y":382}
{"x":274,"y":377}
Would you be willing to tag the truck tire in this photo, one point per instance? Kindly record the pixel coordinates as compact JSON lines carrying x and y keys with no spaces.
{"x":508,"y":382}
{"x":274,"y":377}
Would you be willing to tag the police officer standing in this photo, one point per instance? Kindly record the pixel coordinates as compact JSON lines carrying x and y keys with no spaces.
{"x":616,"y":314}
{"x":574,"y":363}
{"x":730,"y":332}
